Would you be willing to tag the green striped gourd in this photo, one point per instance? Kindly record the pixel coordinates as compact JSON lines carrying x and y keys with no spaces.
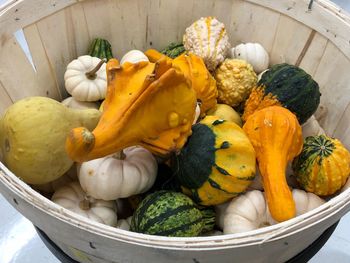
{"x":323,"y":165}
{"x":101,"y":48}
{"x":217,"y":162}
{"x":167,"y":213}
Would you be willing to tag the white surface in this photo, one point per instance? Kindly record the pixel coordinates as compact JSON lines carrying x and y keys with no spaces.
{"x":19,"y":242}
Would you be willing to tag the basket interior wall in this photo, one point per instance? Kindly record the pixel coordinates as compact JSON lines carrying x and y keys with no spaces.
{"x":61,"y":36}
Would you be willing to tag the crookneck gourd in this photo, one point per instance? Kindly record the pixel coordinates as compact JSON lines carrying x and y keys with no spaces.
{"x":217,"y":163}
{"x":147,"y":104}
{"x":288,"y":86}
{"x":276,"y":136}
{"x":323,"y":165}
{"x":193,"y":68}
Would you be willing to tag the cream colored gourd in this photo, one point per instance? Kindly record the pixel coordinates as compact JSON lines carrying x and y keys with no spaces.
{"x":32,"y":137}
{"x":72,"y":103}
{"x":73,"y":198}
{"x":120,"y":175}
{"x":250,"y":211}
{"x":207,"y":38}
{"x":134,"y":56}
{"x":85,"y":78}
{"x":254,"y":53}
{"x":124,"y":223}
{"x":311,"y":127}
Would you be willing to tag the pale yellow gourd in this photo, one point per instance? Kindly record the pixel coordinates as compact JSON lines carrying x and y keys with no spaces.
{"x":70,"y":102}
{"x":32,"y":137}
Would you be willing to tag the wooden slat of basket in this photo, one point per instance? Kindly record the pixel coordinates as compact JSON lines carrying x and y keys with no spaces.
{"x":23,"y":13}
{"x":58,"y":38}
{"x":124,"y":32}
{"x":5,"y":100}
{"x":313,"y":55}
{"x":17,"y":74}
{"x":333,"y":77}
{"x":342,"y":129}
{"x":322,"y":18}
{"x":290,"y":40}
{"x":250,"y":24}
{"x":44,"y":70}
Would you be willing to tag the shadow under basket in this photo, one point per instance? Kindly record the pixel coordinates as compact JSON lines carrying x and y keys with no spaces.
{"x":315,"y":37}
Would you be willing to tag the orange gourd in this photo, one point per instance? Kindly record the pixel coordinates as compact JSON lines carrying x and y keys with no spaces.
{"x":193,"y":68}
{"x":147,"y":104}
{"x":277,"y":138}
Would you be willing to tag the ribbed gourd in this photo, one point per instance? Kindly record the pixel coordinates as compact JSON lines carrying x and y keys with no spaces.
{"x":323,"y":165}
{"x":208,"y":39}
{"x":167,"y":213}
{"x":288,"y":86}
{"x":217,"y":162}
{"x":100,"y":48}
{"x":235,"y":79}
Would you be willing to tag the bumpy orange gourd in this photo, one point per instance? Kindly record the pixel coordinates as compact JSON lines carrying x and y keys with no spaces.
{"x":193,"y":68}
{"x":277,"y":138}
{"x":147,"y":104}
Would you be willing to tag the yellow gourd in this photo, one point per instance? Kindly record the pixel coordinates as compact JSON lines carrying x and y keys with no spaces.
{"x":277,"y":138}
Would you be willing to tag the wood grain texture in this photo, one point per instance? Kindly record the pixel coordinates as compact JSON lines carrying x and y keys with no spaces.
{"x":322,"y":17}
{"x":17,"y":75}
{"x":5,"y":100}
{"x":333,"y":79}
{"x":249,"y":24}
{"x":290,"y":39}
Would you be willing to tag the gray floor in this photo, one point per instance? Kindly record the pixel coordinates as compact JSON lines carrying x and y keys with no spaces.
{"x":19,"y":243}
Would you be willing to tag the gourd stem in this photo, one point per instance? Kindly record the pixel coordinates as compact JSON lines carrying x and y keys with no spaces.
{"x":92,"y":73}
{"x":85,"y":204}
{"x":120,"y":155}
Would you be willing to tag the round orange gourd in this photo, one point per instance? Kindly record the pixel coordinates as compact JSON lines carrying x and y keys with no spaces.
{"x":277,"y":138}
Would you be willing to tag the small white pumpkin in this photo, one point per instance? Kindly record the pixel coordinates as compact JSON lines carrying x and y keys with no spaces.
{"x":311,"y":127}
{"x":250,"y":211}
{"x":124,"y":223}
{"x":115,"y":176}
{"x":85,"y":78}
{"x":134,"y":56}
{"x":254,"y":53}
{"x":73,"y":198}
{"x":70,"y":102}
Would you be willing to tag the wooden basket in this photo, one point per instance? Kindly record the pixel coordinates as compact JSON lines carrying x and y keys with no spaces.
{"x":313,"y":36}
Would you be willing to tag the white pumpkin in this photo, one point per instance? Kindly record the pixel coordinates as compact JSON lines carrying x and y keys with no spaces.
{"x":73,"y":198}
{"x":70,"y":102}
{"x":134,"y":56}
{"x":250,"y":211}
{"x":124,"y":223}
{"x":113,"y":177}
{"x":85,"y":78}
{"x":254,"y":53}
{"x":311,"y":127}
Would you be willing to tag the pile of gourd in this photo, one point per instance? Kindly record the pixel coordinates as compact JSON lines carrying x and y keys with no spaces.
{"x":184,"y":142}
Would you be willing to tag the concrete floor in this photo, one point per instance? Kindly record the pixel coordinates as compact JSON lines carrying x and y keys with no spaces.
{"x":19,"y":242}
